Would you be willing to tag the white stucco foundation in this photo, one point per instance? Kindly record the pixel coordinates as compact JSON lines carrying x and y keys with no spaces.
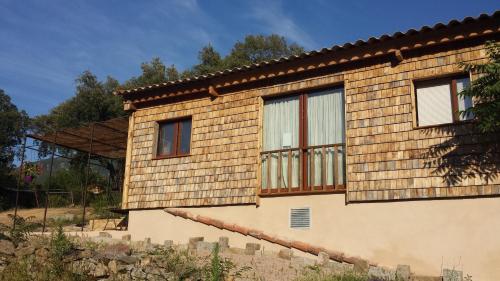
{"x":428,"y":235}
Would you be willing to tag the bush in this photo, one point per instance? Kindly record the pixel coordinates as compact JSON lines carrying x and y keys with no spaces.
{"x":315,"y":273}
{"x":219,"y":269}
{"x":22,"y":231}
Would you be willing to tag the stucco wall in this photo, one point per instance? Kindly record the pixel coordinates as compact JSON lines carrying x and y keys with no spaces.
{"x":428,"y":235}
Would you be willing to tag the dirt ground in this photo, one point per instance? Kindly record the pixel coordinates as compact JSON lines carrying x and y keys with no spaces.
{"x":37,"y":213}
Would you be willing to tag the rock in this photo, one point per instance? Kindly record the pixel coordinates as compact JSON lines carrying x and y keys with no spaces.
{"x":138,"y":274}
{"x":324,"y":258}
{"x":26,"y":251}
{"x":403,"y":272}
{"x":100,"y":271}
{"x":113,"y":251}
{"x":168,"y":243}
{"x":145,"y":261}
{"x":114,"y":267}
{"x":42,"y":253}
{"x":223,"y":243}
{"x":382,"y":273}
{"x":285,"y":254}
{"x":128,"y":259}
{"x":85,"y":254}
{"x":250,"y":248}
{"x":193,"y":241}
{"x":361,"y":265}
{"x":203,"y":247}
{"x":127,"y":237}
{"x":7,"y":247}
{"x":452,"y":275}
{"x":105,"y":235}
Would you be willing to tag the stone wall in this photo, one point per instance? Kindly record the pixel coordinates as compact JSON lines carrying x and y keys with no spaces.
{"x":104,"y":258}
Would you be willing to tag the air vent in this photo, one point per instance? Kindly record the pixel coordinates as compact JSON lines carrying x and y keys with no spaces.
{"x":300,"y":217}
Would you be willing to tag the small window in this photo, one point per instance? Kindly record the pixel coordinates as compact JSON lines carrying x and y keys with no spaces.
{"x":438,"y":101}
{"x":174,"y":138}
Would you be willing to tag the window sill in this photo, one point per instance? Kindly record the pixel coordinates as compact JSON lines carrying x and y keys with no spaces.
{"x":170,"y":156}
{"x":299,"y":193}
{"x":444,"y":125}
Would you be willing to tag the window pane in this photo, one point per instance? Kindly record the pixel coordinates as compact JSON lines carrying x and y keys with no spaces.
{"x":281,"y":123}
{"x":185,"y":138}
{"x":434,"y":104}
{"x":166,"y":139}
{"x":325,"y":117}
{"x":464,"y":102}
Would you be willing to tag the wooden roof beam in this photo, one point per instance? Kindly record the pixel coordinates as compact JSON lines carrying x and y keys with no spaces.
{"x":213,"y":92}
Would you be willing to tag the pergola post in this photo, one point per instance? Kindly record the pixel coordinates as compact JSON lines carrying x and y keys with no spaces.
{"x":49,"y":181}
{"x":84,"y":191}
{"x":19,"y":179}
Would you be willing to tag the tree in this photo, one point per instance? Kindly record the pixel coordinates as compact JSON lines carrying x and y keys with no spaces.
{"x":210,"y":61}
{"x":13,"y":124}
{"x":259,"y":48}
{"x":485,"y":91}
{"x":153,"y":72}
{"x":94,"y":101}
{"x":253,"y":49}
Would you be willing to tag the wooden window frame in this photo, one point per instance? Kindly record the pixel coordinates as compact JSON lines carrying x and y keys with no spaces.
{"x":452,"y":82}
{"x":176,"y":138}
{"x":304,"y":188}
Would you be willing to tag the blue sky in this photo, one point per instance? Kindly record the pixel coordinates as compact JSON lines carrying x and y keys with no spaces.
{"x":45,"y":45}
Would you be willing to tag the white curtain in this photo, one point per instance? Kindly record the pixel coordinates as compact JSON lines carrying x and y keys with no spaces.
{"x":325,"y":125}
{"x":281,"y":131}
{"x":464,"y":102}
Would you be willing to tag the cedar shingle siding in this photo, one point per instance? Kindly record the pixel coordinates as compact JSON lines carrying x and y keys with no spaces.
{"x":387,"y":154}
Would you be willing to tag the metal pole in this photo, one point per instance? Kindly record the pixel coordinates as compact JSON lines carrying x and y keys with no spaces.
{"x":49,"y":182}
{"x":23,"y":148}
{"x":87,"y":175}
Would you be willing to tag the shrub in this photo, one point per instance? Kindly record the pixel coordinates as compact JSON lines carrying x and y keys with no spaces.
{"x":219,"y":269}
{"x":22,"y":231}
{"x":316,"y":273}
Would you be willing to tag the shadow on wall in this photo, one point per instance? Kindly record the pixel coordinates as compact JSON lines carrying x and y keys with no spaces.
{"x":462,"y":152}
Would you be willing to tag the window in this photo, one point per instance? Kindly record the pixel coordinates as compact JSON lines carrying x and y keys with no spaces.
{"x":174,"y":138}
{"x":439,"y":103}
{"x":303,"y":138}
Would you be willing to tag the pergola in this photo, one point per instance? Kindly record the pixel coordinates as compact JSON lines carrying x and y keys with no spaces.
{"x":106,"y":139}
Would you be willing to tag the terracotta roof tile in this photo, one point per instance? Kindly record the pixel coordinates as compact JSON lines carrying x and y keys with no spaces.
{"x":348,"y":45}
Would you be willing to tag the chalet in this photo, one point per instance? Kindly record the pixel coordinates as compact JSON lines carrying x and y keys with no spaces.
{"x":343,"y":150}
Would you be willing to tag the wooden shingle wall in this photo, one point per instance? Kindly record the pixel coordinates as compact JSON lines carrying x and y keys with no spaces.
{"x":222,"y":166}
{"x":387,"y":155}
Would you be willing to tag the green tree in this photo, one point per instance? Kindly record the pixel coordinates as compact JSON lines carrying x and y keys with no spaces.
{"x":153,"y":72}
{"x":485,"y":91}
{"x":210,"y":61}
{"x":259,"y":48}
{"x":253,"y":49}
{"x":94,"y":101}
{"x":13,"y":124}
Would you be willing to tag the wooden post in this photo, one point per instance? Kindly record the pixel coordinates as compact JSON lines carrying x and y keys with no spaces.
{"x":49,"y":182}
{"x":289,"y":170}
{"x":19,"y":179}
{"x":87,"y":175}
{"x":323,"y":167}
{"x":280,"y":168}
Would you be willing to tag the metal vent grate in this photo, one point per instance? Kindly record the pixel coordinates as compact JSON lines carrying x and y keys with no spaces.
{"x":300,"y":217}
